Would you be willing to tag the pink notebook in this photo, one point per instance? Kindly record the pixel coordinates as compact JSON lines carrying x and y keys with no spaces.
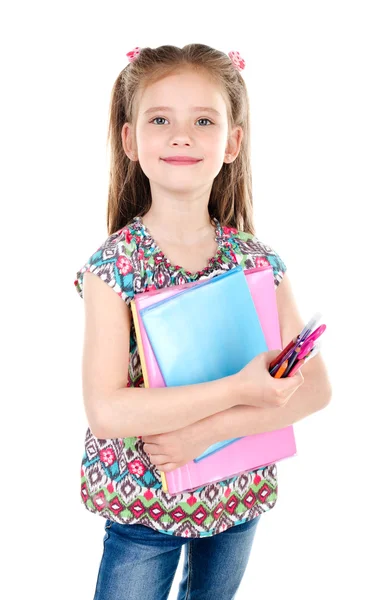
{"x":246,"y":453}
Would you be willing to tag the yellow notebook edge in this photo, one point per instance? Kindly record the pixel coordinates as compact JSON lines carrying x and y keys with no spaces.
{"x":140,"y":348}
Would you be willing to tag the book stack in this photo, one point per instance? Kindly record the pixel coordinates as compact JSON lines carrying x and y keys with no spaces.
{"x":203,"y":331}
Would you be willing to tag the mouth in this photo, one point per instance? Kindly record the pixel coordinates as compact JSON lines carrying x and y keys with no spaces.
{"x":181,"y":160}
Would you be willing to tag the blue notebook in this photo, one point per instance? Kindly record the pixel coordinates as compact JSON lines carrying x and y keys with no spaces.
{"x":205,"y":332}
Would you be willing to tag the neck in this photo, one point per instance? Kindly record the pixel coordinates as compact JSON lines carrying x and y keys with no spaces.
{"x":181,"y":227}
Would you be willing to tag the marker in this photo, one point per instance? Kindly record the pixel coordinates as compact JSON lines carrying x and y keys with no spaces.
{"x":310,"y":325}
{"x":295,"y":346}
{"x":299,"y":353}
{"x":313,"y":352}
{"x":306,"y":348}
{"x":316,"y":334}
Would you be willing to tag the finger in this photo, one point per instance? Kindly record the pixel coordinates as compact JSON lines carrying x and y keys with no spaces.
{"x":291,"y":382}
{"x":287,"y":386}
{"x":167,"y":467}
{"x":150,"y":448}
{"x":296,"y":383}
{"x":270,"y":355}
{"x":297,"y":378}
{"x":151,"y":439}
{"x":158,"y":459}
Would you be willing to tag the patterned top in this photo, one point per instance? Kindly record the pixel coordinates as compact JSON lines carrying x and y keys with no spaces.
{"x":118,"y":480}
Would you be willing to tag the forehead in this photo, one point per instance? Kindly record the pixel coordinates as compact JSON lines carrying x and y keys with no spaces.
{"x":183,"y":91}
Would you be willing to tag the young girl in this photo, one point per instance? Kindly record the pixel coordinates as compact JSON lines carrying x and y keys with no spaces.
{"x":179,"y":210}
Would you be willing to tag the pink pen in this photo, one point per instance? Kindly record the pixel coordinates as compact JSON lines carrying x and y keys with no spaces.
{"x":316,"y":334}
{"x":297,"y":366}
{"x":306,"y":349}
{"x":313,"y":352}
{"x":299,"y":354}
{"x":310,"y":354}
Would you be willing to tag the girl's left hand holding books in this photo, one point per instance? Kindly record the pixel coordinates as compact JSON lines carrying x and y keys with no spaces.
{"x":168,"y":451}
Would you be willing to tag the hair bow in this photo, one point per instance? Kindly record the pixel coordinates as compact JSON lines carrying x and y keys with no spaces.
{"x":133,"y":54}
{"x":234,"y":55}
{"x":237,"y":60}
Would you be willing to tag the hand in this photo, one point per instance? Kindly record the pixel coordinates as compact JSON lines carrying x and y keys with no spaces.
{"x":256,"y":387}
{"x":168,"y":451}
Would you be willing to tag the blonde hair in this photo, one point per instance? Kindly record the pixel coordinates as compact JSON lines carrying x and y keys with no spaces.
{"x":129,"y":191}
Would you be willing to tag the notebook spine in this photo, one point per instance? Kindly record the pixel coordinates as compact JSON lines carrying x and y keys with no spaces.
{"x":140,"y":344}
{"x":144,"y":369}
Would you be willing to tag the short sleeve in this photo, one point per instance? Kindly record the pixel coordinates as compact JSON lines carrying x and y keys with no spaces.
{"x":113,"y":263}
{"x":275,"y":261}
{"x":251,"y":252}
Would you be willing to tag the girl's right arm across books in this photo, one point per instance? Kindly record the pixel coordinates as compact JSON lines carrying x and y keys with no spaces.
{"x":114,"y":410}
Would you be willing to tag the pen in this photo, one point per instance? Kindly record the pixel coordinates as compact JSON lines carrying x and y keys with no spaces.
{"x":316,"y":334}
{"x":298,"y":354}
{"x":310,"y":354}
{"x":295,"y":346}
{"x":313,"y":352}
{"x":286,"y":355}
{"x":297,"y":366}
{"x":277,"y":359}
{"x":309,"y":327}
{"x":306,"y":348}
{"x":291,"y":362}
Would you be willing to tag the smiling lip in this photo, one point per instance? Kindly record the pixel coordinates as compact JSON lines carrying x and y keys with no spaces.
{"x":181,"y":160}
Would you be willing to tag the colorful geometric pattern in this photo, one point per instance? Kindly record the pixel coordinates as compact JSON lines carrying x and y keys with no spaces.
{"x":118,"y":481}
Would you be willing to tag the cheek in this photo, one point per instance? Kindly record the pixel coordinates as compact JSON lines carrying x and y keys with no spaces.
{"x":150,"y":146}
{"x":217,"y":142}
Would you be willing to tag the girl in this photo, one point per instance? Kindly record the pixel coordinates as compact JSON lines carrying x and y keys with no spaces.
{"x":179,"y":210}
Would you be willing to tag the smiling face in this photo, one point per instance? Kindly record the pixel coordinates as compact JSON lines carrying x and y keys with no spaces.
{"x":192,"y":122}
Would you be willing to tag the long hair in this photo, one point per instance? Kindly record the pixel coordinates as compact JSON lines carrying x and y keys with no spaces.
{"x":129,"y":190}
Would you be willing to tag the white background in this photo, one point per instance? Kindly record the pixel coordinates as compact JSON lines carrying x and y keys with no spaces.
{"x":307,"y":74}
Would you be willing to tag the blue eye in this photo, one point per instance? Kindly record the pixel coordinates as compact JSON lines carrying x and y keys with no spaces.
{"x":205,"y":119}
{"x":163,"y":118}
{"x":156,"y":118}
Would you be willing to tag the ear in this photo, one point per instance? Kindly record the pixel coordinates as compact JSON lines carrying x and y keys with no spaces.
{"x":128,"y":142}
{"x":233,"y":144}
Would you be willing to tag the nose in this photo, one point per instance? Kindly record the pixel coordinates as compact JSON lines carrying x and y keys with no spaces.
{"x":180,"y":140}
{"x":181,"y":137}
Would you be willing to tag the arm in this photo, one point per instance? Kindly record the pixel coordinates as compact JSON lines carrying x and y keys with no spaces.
{"x":115,"y":410}
{"x":238,"y":421}
{"x":175,"y":407}
{"x":313,"y":395}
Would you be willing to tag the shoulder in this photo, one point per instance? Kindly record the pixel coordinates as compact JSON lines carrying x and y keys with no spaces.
{"x":115,"y":261}
{"x":252,"y":252}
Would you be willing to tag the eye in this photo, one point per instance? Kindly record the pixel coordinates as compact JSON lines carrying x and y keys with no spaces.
{"x":163,"y":119}
{"x":205,"y":119}
{"x":156,"y":118}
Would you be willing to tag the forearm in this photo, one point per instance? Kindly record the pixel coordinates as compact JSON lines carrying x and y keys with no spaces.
{"x":241,"y":420}
{"x":148,"y":411}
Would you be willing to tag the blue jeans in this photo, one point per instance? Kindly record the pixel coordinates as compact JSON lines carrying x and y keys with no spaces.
{"x":139,"y":562}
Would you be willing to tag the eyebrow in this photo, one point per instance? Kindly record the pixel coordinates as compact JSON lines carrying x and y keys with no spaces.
{"x":194,"y":108}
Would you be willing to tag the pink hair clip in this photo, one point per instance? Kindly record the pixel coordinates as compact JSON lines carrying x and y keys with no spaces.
{"x":237,"y":60}
{"x":133,"y":54}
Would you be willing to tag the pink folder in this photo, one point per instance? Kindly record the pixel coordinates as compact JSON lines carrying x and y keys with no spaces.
{"x":249,"y":452}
